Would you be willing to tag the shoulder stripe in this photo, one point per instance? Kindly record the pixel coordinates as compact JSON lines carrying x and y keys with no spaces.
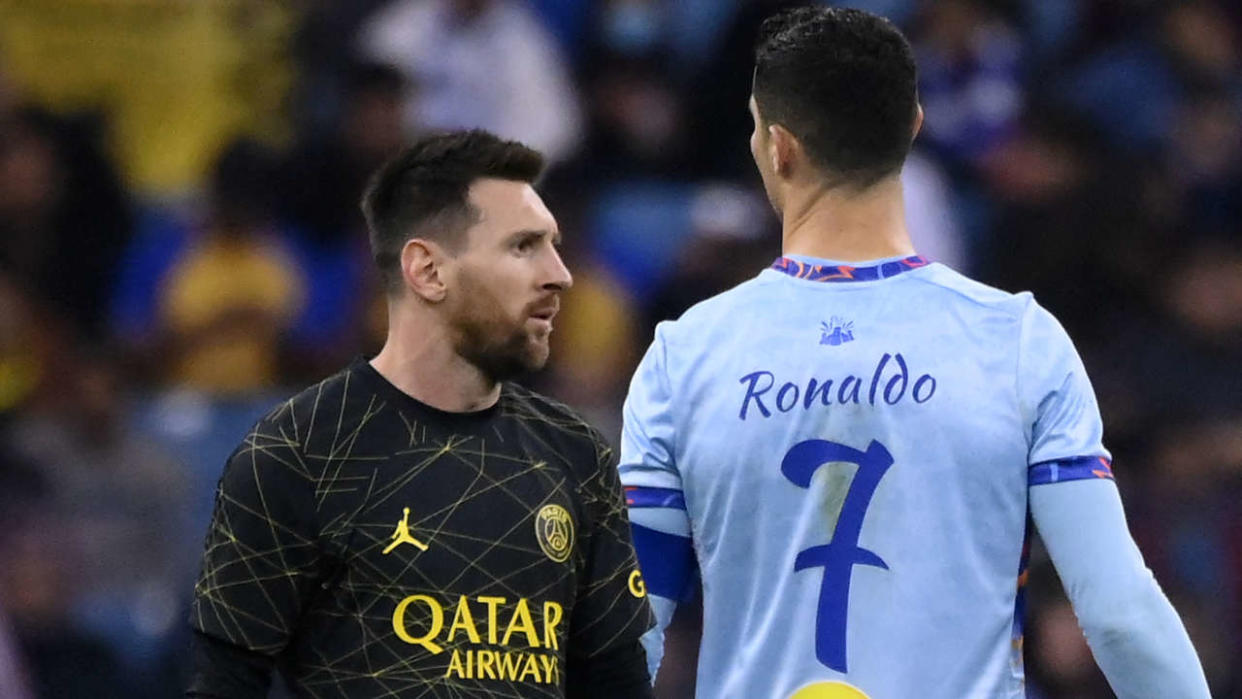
{"x":1073,"y":469}
{"x":641,"y":496}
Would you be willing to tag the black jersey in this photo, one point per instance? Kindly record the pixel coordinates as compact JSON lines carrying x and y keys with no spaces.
{"x":376,"y":546}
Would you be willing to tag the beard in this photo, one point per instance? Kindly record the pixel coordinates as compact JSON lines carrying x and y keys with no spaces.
{"x":500,"y":347}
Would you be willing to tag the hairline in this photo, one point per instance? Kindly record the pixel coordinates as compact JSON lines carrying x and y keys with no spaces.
{"x":455,"y":223}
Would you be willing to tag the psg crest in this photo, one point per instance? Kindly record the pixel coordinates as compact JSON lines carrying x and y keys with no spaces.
{"x":554,"y":529}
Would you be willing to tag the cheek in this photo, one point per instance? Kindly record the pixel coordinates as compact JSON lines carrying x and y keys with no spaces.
{"x":507,"y":294}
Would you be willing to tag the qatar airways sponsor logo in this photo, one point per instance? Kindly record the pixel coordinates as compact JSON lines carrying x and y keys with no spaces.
{"x":489,"y":637}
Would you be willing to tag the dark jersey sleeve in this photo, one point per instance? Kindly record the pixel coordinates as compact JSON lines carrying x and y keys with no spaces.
{"x":612,"y":608}
{"x":224,"y":671}
{"x":261,"y":561}
{"x":618,"y":673}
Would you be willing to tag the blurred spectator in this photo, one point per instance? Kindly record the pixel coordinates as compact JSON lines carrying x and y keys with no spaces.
{"x":177,"y":82}
{"x":59,"y":194}
{"x":721,"y":120}
{"x":1175,"y":398}
{"x":596,"y":345}
{"x":733,"y":237}
{"x":115,"y":508}
{"x":12,"y":676}
{"x":1053,"y":28}
{"x":1131,"y":88}
{"x":210,"y":302}
{"x":33,"y":347}
{"x":320,"y":186}
{"x":684,"y":32}
{"x":1205,"y":161}
{"x":639,"y":125}
{"x":322,"y":179}
{"x":637,"y":227}
{"x":479,"y":63}
{"x":930,"y":213}
{"x":567,"y":21}
{"x":119,"y":499}
{"x":1187,"y":519}
{"x":1189,"y":374}
{"x":632,"y":28}
{"x":1065,"y":226}
{"x":37,"y":584}
{"x":970,"y":68}
{"x":322,"y":47}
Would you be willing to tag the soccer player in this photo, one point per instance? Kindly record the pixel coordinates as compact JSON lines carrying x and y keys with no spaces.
{"x":416,"y":526}
{"x":848,"y":445}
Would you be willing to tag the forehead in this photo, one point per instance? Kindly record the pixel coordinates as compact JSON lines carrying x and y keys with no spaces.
{"x":506,"y":206}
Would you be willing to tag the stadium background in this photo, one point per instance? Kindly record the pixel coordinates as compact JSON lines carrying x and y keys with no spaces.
{"x":181,"y":247}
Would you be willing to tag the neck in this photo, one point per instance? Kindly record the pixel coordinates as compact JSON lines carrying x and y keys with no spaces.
{"x":418,"y":358}
{"x":838,"y":223}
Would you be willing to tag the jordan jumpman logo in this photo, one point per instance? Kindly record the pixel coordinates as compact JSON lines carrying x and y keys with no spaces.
{"x":402,"y":535}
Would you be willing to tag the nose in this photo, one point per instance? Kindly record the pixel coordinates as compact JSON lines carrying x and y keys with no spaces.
{"x":559,"y":278}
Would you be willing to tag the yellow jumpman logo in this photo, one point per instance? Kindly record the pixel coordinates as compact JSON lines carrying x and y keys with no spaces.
{"x":402,"y":535}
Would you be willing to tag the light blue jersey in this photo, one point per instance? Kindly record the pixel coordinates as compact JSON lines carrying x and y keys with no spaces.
{"x":850,"y":451}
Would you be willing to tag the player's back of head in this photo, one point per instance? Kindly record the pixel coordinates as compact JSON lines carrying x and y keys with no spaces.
{"x":843,"y":82}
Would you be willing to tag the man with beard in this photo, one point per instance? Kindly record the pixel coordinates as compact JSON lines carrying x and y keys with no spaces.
{"x":416,"y":526}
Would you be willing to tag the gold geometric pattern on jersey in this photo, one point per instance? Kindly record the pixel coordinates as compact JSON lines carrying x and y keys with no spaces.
{"x":306,"y":561}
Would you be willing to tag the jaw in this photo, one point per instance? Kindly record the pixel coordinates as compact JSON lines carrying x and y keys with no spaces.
{"x":504,"y":355}
{"x":537,"y":348}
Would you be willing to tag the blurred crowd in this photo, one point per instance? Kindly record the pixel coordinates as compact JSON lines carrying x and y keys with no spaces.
{"x":181,"y":246}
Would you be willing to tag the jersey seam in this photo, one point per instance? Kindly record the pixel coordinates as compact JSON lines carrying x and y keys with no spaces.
{"x":994,"y":305}
{"x":1029,"y":438}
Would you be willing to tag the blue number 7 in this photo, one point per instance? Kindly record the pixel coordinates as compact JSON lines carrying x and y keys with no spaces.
{"x":838,"y":557}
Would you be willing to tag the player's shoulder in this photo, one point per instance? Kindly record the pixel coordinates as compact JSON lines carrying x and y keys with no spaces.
{"x":1034,"y":326}
{"x":291,"y":424}
{"x":959,"y":288}
{"x":757,"y":295}
{"x":301,"y":407}
{"x":569,"y":440}
{"x":523,"y":403}
{"x":707,"y":314}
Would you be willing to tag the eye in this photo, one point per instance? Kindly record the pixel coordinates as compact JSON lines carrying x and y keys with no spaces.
{"x":525,"y":245}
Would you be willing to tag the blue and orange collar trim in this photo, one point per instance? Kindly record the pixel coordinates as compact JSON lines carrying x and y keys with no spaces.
{"x":847,"y":273}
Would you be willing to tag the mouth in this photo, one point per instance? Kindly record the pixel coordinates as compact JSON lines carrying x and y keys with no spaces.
{"x":543,"y":314}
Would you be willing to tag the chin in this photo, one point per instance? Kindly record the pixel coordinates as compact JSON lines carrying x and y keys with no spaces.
{"x":537,"y":356}
{"x":520,"y":358}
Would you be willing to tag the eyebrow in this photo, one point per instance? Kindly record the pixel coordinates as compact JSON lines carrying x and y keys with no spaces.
{"x":537,"y":233}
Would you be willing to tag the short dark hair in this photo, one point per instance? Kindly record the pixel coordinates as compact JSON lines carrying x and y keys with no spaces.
{"x":423,"y":191}
{"x":843,"y":82}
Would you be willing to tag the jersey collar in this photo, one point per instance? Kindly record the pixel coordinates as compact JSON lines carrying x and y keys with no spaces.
{"x":810,"y":271}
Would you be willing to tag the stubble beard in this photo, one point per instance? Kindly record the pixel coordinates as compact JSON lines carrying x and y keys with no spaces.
{"x":500,"y":349}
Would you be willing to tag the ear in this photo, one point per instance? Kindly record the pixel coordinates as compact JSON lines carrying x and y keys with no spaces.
{"x":422,"y":268}
{"x":918,"y":121}
{"x":784,"y":150}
